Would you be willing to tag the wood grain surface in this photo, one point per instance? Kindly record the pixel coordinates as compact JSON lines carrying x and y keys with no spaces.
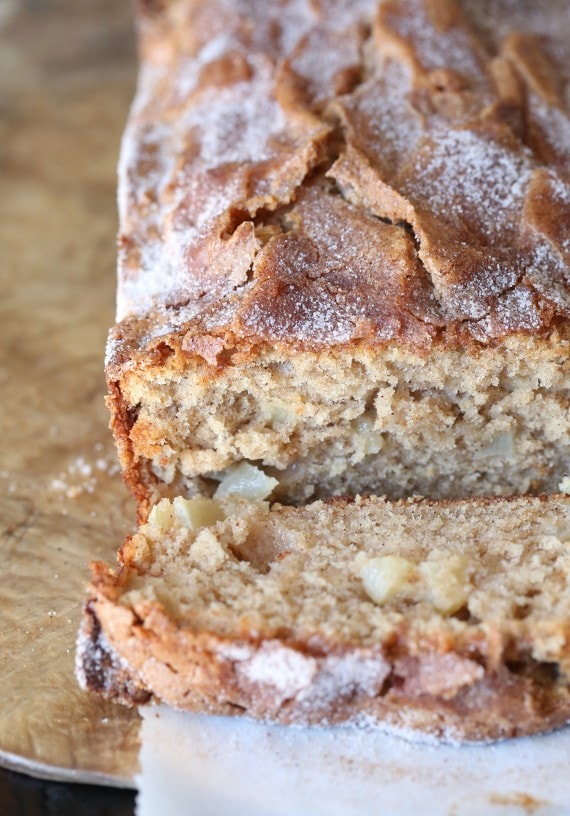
{"x":67,"y":70}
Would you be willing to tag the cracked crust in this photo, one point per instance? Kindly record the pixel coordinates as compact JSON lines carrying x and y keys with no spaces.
{"x":425,"y":137}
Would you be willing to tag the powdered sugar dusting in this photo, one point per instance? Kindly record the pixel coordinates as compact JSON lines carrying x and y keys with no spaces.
{"x":286,"y":671}
{"x":378,"y":109}
{"x":471,"y":181}
{"x":188,"y":71}
{"x":554,"y":124}
{"x":514,"y":310}
{"x":224,"y":131}
{"x":330,"y":51}
{"x":449,"y":48}
{"x":287,"y":28}
{"x":340,"y":677}
{"x":316,"y":683}
{"x":93,"y":657}
{"x":497,"y":18}
{"x":236,"y":124}
{"x":316,"y":316}
{"x":548,"y":273}
{"x":183,"y":176}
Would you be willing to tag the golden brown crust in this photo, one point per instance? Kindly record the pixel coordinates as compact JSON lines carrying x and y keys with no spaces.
{"x":100,"y":668}
{"x":278,"y":191}
{"x":254,"y":197}
{"x":121,"y":423}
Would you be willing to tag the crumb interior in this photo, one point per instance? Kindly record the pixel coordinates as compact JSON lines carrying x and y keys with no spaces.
{"x":390,"y":423}
{"x":297,"y":572}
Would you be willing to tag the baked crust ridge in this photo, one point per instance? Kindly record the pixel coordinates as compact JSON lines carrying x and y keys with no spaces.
{"x":514,"y":705}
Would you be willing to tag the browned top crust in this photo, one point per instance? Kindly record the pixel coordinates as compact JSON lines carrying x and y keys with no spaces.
{"x":322,"y":172}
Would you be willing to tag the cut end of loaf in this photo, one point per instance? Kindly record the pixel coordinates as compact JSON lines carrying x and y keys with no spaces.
{"x":353,"y":421}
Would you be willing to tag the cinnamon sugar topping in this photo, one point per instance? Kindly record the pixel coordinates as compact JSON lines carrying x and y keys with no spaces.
{"x":319,"y":173}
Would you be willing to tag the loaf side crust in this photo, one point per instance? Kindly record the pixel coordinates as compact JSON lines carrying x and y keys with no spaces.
{"x":381,"y":184}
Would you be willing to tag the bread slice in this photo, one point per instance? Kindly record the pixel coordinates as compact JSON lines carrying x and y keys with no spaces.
{"x":344,"y":249}
{"x":447,"y":618}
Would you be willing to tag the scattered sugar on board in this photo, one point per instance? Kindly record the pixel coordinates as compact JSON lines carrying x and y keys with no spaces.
{"x":80,"y":476}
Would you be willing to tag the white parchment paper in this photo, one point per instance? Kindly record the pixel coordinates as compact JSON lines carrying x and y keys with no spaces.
{"x":215,"y":766}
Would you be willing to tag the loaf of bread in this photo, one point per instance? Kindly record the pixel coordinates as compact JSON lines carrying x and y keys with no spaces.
{"x":344,"y":250}
{"x":449,"y":618}
{"x":344,"y":269}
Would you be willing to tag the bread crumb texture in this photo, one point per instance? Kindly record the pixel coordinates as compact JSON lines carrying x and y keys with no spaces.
{"x":346,"y":422}
{"x":348,"y":567}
